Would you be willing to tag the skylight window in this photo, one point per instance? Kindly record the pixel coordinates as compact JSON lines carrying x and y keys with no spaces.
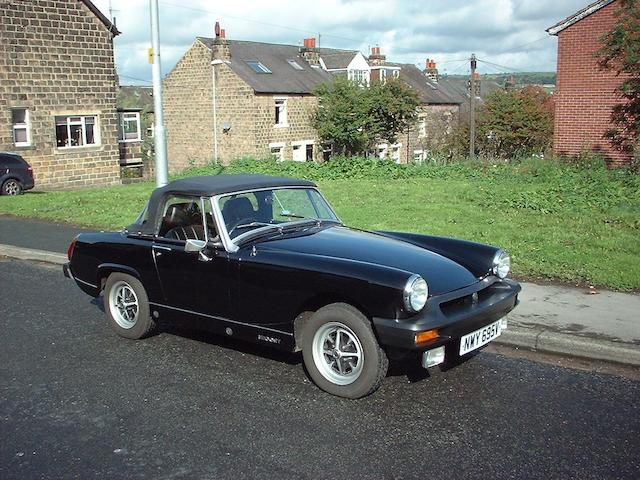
{"x":294,"y":64}
{"x":258,"y":67}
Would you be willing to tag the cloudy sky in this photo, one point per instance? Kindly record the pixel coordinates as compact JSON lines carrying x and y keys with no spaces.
{"x":510,"y":34}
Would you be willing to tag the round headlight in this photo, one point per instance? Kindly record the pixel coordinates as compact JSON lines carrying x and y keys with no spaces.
{"x":415,"y":294}
{"x":501,"y":264}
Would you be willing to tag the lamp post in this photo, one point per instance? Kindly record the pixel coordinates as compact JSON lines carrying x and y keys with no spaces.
{"x":159,"y":137}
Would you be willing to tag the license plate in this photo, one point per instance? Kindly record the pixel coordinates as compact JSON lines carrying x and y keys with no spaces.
{"x":480,"y":337}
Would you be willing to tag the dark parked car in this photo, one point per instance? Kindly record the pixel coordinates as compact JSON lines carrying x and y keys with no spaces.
{"x":16,"y":175}
{"x":266,"y":259}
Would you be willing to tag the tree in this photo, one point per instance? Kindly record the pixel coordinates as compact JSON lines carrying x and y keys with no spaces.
{"x":516,"y":122}
{"x":621,"y":53}
{"x":355,"y":117}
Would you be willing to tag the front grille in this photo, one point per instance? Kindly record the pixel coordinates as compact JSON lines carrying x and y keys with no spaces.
{"x":460,"y":304}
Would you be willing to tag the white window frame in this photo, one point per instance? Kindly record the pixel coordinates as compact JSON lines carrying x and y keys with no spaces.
{"x":422,"y":127}
{"x":395,"y":151}
{"x":122,"y":120}
{"x":359,"y":76}
{"x":303,"y":144}
{"x":381,"y":150}
{"x":418,"y":156}
{"x":82,"y":122}
{"x":283,"y":116}
{"x":22,"y":126}
{"x":280,"y":147}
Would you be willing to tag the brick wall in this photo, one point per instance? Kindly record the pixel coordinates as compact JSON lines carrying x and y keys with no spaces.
{"x":56,"y":58}
{"x":188,"y":110}
{"x":585,"y":95}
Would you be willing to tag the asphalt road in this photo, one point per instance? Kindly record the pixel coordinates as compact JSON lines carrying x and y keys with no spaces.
{"x":79,"y":402}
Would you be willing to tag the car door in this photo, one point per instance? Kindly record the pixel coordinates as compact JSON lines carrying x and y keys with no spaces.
{"x":193,"y":283}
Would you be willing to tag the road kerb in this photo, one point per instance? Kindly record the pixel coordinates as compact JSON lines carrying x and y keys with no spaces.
{"x":21,"y":253}
{"x":570,"y":345}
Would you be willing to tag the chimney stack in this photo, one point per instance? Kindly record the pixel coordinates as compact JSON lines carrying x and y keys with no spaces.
{"x":430,"y":70}
{"x":220,"y":49}
{"x":376,"y":58}
{"x":309,"y":51}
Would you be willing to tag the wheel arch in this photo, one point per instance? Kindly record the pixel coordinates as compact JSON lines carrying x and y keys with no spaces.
{"x":106,"y":269}
{"x":309,"y":307}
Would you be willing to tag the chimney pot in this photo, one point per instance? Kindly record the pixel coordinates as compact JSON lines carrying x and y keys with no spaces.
{"x":216,"y":29}
{"x":223,"y":34}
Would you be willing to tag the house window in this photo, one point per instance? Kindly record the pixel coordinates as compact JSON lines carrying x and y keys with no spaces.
{"x":302,"y":151}
{"x":359,"y":76}
{"x":327,"y":151}
{"x":395,"y":152}
{"x":258,"y":67}
{"x":129,"y":127}
{"x":280,"y":119}
{"x":294,"y":64}
{"x":277,"y":151}
{"x":396,"y":73}
{"x":21,"y":127}
{"x":76,"y":131}
{"x":422,"y":128}
{"x":382,"y":150}
{"x":418,"y":156}
{"x":383,"y":76}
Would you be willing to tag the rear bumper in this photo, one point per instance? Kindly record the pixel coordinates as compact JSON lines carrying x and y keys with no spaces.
{"x":454,"y":315}
{"x":28,"y":183}
{"x":66,"y":271}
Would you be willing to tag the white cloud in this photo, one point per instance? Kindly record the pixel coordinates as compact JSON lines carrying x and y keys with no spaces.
{"x":510,"y":33}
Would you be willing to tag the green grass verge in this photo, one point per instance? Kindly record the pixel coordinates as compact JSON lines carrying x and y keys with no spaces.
{"x":572,"y":223}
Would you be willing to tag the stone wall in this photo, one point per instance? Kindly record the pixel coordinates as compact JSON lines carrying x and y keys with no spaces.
{"x":188,"y":110}
{"x":57,"y":59}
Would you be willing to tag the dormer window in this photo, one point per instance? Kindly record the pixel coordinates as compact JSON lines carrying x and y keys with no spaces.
{"x":294,"y":64}
{"x":258,"y":67}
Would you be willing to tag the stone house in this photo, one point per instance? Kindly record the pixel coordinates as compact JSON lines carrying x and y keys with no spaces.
{"x":58,"y":89}
{"x":585,"y":94}
{"x":135,"y":131}
{"x":231,"y":99}
{"x":438,"y":112}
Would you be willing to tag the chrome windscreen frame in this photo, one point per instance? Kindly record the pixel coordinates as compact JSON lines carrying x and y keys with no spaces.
{"x":229,"y":245}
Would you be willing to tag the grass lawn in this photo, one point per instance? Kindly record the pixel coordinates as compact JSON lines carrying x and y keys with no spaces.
{"x":566,"y":223}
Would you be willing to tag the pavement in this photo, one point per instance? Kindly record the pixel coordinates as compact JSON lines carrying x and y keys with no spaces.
{"x":556,"y":319}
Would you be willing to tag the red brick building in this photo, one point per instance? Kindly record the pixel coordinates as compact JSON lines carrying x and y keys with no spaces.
{"x":584,"y":93}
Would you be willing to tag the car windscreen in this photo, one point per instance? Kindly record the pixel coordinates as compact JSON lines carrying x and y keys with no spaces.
{"x":243,"y":212}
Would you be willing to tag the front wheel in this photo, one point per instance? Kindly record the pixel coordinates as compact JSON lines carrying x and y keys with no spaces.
{"x":127,"y":306}
{"x":341,"y":352}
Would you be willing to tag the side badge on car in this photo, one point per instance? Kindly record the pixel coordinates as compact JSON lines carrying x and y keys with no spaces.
{"x":474,"y":298}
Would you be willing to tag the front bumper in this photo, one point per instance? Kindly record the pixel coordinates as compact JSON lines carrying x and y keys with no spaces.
{"x":453,"y":314}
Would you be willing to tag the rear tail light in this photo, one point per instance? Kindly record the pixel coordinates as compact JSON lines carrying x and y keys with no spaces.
{"x":72,"y":246}
{"x":30,"y":170}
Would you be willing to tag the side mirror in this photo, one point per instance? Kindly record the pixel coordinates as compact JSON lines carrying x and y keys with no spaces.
{"x":194,"y":245}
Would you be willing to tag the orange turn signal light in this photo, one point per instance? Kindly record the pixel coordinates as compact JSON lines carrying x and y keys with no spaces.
{"x":426,"y":336}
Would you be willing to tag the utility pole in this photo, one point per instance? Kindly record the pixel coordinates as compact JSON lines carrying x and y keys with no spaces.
{"x":472,"y":108}
{"x":159,"y":137}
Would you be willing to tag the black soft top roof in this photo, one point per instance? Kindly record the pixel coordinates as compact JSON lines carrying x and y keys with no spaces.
{"x":209,"y":185}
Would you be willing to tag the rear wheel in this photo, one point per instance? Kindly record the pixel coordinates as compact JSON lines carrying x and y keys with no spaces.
{"x":127,"y":306}
{"x":11,"y":187}
{"x":341,"y":352}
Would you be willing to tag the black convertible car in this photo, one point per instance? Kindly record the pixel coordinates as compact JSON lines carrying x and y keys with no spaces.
{"x":266,"y":259}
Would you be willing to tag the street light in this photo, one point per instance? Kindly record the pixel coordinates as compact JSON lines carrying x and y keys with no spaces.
{"x":159,"y":137}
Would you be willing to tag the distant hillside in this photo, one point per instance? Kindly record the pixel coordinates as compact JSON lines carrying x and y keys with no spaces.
{"x":521,"y":79}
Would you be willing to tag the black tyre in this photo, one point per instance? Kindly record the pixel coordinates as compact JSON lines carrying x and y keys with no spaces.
{"x":341,"y":352}
{"x":11,"y":187}
{"x":127,"y":306}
